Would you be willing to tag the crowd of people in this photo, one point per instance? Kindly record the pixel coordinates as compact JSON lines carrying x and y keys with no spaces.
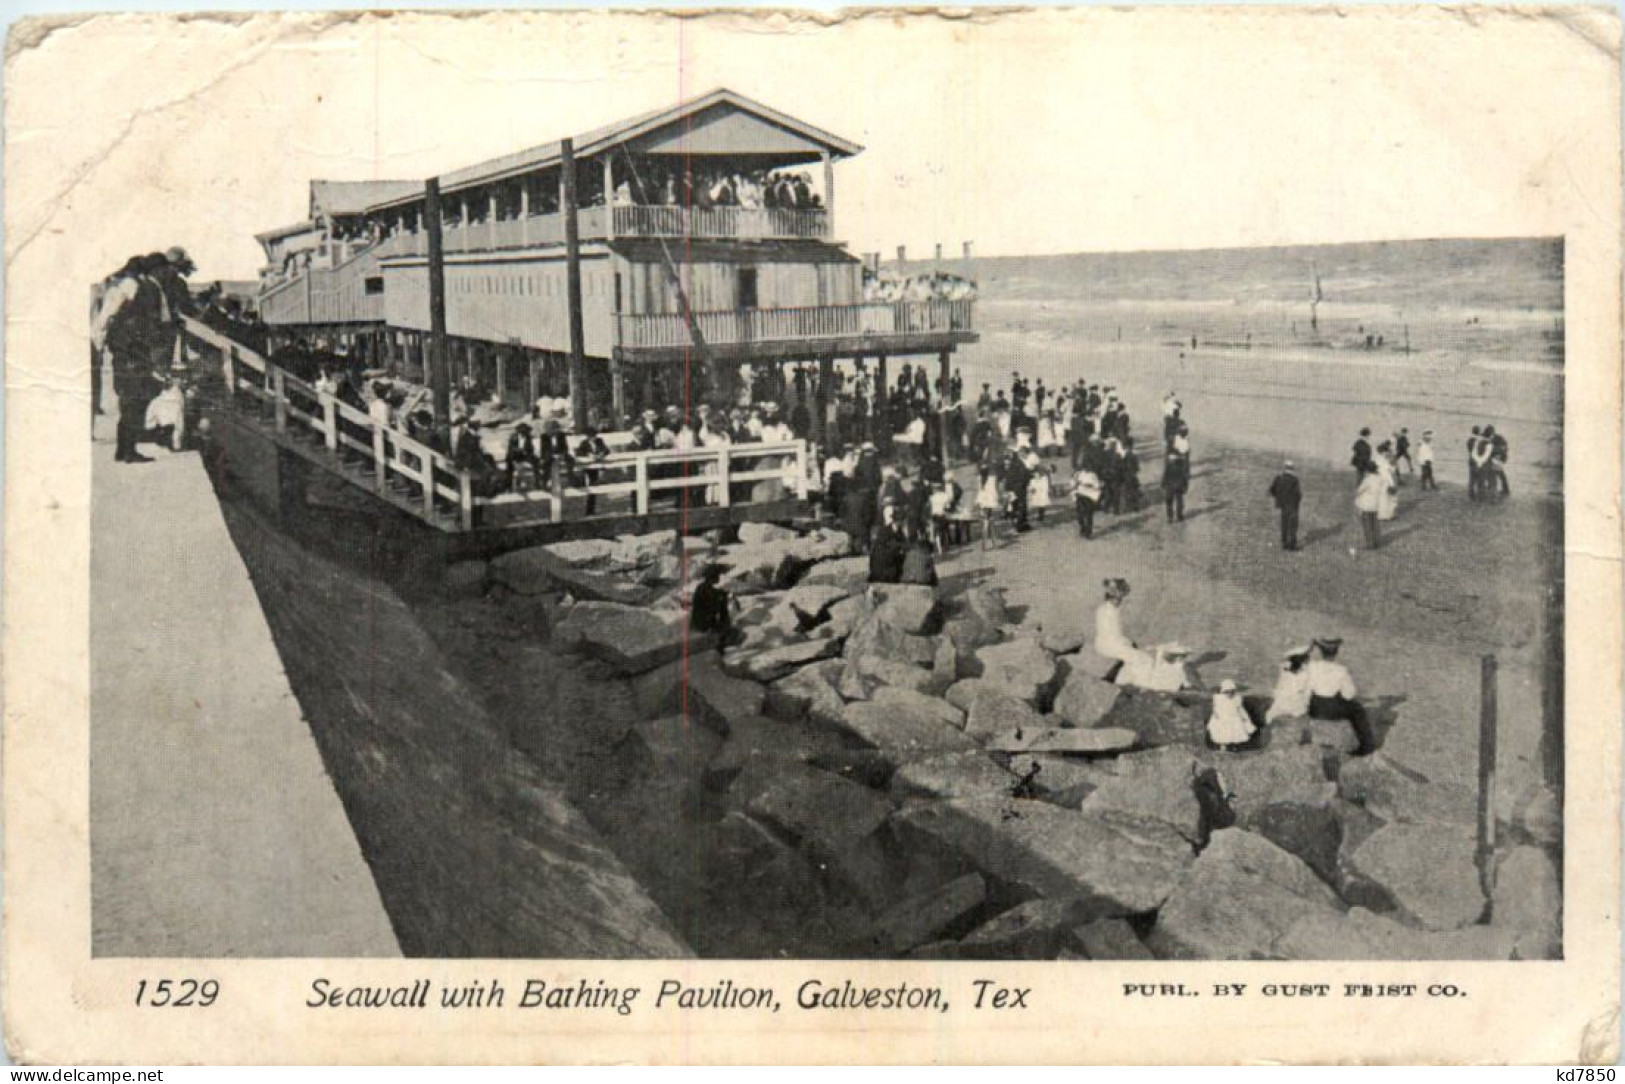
{"x":135,"y":329}
{"x":654,"y":183}
{"x":935,"y":286}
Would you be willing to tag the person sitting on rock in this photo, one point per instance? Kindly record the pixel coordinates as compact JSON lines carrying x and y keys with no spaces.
{"x":1109,"y":638}
{"x":1332,"y":694}
{"x":1164,"y":672}
{"x":888,"y":547}
{"x":1292,"y":687}
{"x":710,"y":611}
{"x":1228,"y":727}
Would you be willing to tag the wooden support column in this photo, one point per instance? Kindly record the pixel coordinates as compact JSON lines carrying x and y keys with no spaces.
{"x":524,"y":217}
{"x":491,"y":218}
{"x":829,"y":187}
{"x":572,"y":280}
{"x":439,"y":379}
{"x":879,"y":425}
{"x":942,"y":405}
{"x":826,"y":379}
{"x":502,"y":375}
{"x":609,"y":195}
{"x":533,"y":379}
{"x":617,"y":391}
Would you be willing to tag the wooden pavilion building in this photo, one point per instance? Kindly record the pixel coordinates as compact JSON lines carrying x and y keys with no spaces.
{"x":696,"y":243}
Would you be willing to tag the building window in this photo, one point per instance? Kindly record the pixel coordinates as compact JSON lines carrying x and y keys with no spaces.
{"x":747,"y":288}
{"x":374,"y":285}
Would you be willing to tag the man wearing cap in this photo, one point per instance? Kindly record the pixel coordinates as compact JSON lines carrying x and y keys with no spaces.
{"x":1288,"y":495}
{"x":1332,"y":694}
{"x":643,"y":433}
{"x":1361,"y":457}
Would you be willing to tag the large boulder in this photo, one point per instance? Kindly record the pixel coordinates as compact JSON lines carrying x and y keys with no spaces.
{"x":631,"y":551}
{"x":807,"y":694}
{"x":535,"y":571}
{"x":875,"y":638}
{"x":1088,"y":662}
{"x":1527,"y":903}
{"x":771,"y":663}
{"x":952,"y":775}
{"x":840,"y":619}
{"x":1112,"y":869}
{"x":1313,"y":831}
{"x":1428,"y":871}
{"x":1363,"y":935}
{"x":1396,"y":794}
{"x":907,"y":607}
{"x":697,"y":687}
{"x":876,"y":671}
{"x":849,"y":573}
{"x":926,"y":916}
{"x":1084,"y":701}
{"x":1239,"y":898}
{"x":811,"y":602}
{"x":1056,"y":740}
{"x":909,"y":700}
{"x":822,"y":810}
{"x":1255,"y":780}
{"x":902,"y":733}
{"x":990,"y":710}
{"x":1157,"y":786}
{"x":967,"y":633}
{"x":1021,"y":668}
{"x":988,"y":604}
{"x":1293,"y":730}
{"x":1161,"y":718}
{"x":1035,"y":930}
{"x":628,"y":638}
{"x":758,"y":743}
{"x":590,"y":553}
{"x":752,"y":534}
{"x":1061,"y":641}
{"x":1110,"y":939}
{"x":779,"y":562}
{"x":1059,"y":778}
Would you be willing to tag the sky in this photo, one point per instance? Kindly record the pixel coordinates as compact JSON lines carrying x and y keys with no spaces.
{"x":1050,"y":131}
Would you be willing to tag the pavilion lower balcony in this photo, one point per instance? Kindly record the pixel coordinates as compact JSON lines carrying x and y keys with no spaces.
{"x":870,"y":328}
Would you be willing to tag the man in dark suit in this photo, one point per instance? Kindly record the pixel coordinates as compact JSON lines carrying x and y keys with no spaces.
{"x":1362,"y":453}
{"x":1288,"y":494}
{"x":139,"y":339}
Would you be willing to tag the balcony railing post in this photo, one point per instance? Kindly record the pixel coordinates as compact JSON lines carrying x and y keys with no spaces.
{"x":724,"y":472}
{"x":465,"y":500}
{"x":330,"y":422}
{"x":801,"y":470}
{"x":642,"y":478}
{"x":556,"y":485}
{"x":428,"y":486}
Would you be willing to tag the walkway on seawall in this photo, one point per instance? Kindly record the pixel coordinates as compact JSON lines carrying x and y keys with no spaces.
{"x":215,"y":829}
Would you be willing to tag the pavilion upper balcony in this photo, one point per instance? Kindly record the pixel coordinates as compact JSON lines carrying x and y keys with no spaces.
{"x":620,"y":221}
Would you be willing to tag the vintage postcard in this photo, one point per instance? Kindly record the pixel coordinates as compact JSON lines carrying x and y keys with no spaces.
{"x":763,"y":536}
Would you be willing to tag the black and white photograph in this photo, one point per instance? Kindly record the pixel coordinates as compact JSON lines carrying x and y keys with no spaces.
{"x":866,"y":495}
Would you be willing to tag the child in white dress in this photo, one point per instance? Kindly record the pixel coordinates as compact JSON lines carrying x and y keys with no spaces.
{"x":1228,"y":727}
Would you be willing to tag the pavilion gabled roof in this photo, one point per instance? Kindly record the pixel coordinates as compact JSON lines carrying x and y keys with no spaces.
{"x":719,"y":122}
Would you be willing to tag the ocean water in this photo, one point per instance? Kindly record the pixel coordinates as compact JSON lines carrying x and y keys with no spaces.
{"x":1422,"y":334}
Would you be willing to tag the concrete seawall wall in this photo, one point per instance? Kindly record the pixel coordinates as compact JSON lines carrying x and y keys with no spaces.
{"x":474,"y":852}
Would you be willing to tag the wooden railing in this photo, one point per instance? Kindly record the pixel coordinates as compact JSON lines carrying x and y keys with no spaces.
{"x":384,"y":453}
{"x":778,"y":325}
{"x":643,"y":478}
{"x":737,"y":223}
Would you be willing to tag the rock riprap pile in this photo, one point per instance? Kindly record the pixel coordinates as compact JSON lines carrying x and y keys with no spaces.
{"x":970,"y":786}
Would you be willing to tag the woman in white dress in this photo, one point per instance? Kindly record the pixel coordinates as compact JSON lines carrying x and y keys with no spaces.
{"x":1110,"y":640}
{"x":1292,"y":687}
{"x":1038,"y":488}
{"x":1388,"y":490}
{"x":989,"y":502}
{"x":1228,"y":727}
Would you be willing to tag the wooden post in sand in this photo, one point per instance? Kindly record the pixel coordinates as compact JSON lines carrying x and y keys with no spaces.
{"x":1486,"y":774}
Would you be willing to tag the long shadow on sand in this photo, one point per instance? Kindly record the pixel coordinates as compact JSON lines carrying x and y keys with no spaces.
{"x":1205,"y":510}
{"x":1384,"y":716}
{"x":1321,"y":534}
